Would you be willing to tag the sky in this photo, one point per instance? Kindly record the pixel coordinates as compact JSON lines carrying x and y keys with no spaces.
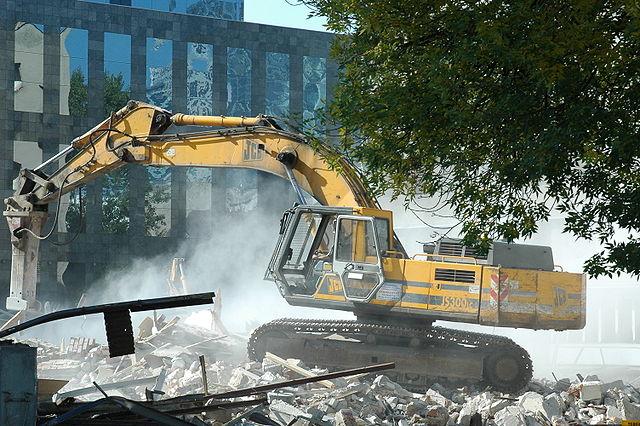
{"x":282,"y":13}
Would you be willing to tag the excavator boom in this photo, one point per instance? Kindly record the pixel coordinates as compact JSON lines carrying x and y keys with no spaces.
{"x":135,"y":134}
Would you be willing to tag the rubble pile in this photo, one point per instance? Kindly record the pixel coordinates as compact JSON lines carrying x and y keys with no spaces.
{"x":168,"y":363}
{"x":166,"y":359}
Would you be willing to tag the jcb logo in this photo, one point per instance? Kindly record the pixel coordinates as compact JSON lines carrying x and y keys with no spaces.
{"x":253,"y":151}
{"x":334,"y":285}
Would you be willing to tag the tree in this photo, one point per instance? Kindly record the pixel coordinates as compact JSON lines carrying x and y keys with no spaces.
{"x":502,"y":110}
{"x":78,"y":94}
{"x":115,"y":96}
{"x":115,"y":201}
{"x":115,"y":205}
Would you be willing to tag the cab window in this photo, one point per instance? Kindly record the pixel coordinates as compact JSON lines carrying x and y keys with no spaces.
{"x":356,"y":241}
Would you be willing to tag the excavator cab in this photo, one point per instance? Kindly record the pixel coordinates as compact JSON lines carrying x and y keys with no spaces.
{"x":332,"y":245}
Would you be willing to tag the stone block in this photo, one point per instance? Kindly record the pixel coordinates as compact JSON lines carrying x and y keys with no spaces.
{"x":437,"y":415}
{"x":613,"y":413}
{"x":618,"y":384}
{"x":284,"y":413}
{"x":552,"y":406}
{"x":591,"y":391}
{"x":287,"y":397}
{"x":532,"y":402}
{"x":511,"y":416}
{"x":437,"y":398}
{"x":632,"y":394}
{"x":629,"y":410}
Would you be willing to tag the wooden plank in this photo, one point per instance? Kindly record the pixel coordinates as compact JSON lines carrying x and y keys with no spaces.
{"x":297,"y":369}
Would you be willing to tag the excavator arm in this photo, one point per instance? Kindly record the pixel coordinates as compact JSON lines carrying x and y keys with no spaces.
{"x":136,"y":134}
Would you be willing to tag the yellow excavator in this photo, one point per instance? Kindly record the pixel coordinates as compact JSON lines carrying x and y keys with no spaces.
{"x":339,"y":254}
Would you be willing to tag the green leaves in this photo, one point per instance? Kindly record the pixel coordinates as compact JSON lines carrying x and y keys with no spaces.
{"x":503,"y":108}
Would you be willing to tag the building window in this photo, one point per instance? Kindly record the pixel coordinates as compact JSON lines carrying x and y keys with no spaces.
{"x":74,"y":71}
{"x":27,"y":154}
{"x":73,"y":210}
{"x":238,"y":82}
{"x":277,"y":84}
{"x":117,"y":71}
{"x":157,"y":202}
{"x":314,"y":87}
{"x":224,"y":9}
{"x":199,"y":79}
{"x":115,"y":201}
{"x":159,"y":75}
{"x":29,"y":64}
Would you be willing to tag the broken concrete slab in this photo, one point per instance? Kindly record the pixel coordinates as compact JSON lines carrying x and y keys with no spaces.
{"x":283,"y":412}
{"x":531,"y":402}
{"x":628,"y":409}
{"x":553,"y":406}
{"x":511,"y":416}
{"x":591,"y":391}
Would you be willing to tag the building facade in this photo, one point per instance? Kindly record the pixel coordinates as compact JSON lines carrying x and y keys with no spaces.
{"x":66,"y":64}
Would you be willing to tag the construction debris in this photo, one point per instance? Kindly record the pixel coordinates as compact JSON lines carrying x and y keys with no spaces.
{"x":193,"y":374}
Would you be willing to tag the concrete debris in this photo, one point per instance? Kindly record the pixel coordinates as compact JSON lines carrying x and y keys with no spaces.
{"x":591,"y":391}
{"x":167,"y":365}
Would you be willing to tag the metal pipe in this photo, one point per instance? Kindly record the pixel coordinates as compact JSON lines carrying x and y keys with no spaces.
{"x":294,"y":184}
{"x":133,"y":306}
{"x":54,"y":158}
{"x":296,"y":382}
{"x":216,"y":120}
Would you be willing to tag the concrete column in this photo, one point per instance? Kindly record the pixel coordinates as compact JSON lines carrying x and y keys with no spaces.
{"x":295,"y":84}
{"x":258,"y":73}
{"x":139,"y":65}
{"x":179,"y":73}
{"x":178,"y":202}
{"x":219,"y":80}
{"x":96,"y":75}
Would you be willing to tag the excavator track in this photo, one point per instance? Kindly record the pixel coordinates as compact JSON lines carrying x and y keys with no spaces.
{"x":422,"y":355}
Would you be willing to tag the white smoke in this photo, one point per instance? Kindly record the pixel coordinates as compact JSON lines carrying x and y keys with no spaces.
{"x":232,"y":262}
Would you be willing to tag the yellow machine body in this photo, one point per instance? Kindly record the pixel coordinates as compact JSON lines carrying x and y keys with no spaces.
{"x":425,"y":286}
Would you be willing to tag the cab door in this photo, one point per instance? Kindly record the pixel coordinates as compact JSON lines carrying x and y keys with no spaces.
{"x":356,"y":257}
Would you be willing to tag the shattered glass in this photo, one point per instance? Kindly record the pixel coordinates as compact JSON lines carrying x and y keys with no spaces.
{"x":238,"y":82}
{"x":277,"y":84}
{"x":314,"y":91}
{"x":199,"y":79}
{"x":216,"y":8}
{"x":159,"y":72}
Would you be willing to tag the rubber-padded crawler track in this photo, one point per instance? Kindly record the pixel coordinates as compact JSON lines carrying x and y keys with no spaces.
{"x":488,"y":346}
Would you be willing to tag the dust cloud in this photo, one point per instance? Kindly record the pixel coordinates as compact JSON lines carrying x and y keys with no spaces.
{"x":232,"y":263}
{"x":234,"y":259}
